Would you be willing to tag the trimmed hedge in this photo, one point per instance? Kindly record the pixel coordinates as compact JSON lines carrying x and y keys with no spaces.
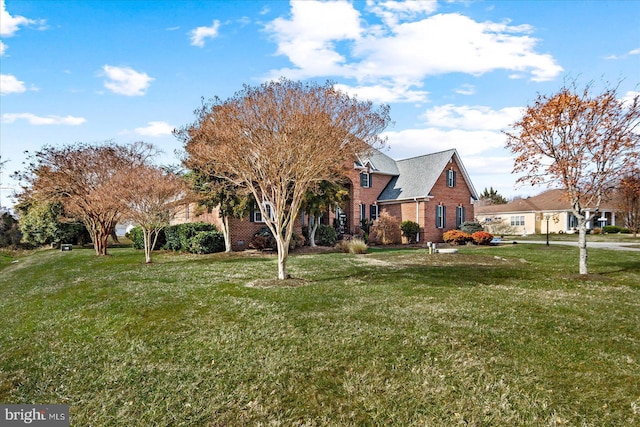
{"x":326,"y":235}
{"x":482,"y":238}
{"x":410,"y":230}
{"x":471,"y":227}
{"x":194,"y":237}
{"x":456,"y":237}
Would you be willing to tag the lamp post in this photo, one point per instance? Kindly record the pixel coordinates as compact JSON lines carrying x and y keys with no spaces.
{"x":547,"y":217}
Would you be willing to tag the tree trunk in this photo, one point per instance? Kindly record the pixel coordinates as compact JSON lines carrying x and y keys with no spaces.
{"x":226,"y":234}
{"x":283,"y":253}
{"x":312,"y":232}
{"x":100,"y":238}
{"x":582,"y":244}
{"x":148,"y":245}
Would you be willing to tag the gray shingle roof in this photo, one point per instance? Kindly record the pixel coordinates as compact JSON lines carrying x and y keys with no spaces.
{"x":380,"y":163}
{"x":416,"y":176}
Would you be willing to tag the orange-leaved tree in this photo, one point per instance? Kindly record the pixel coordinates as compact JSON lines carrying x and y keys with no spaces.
{"x":82,"y":177}
{"x":580,"y":142}
{"x":150,"y":196}
{"x":277,"y":140}
{"x":628,"y":197}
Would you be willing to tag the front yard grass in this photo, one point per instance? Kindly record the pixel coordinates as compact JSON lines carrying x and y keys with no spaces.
{"x":503,"y":335}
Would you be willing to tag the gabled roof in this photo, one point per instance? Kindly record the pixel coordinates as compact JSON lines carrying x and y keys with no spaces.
{"x":550,"y":200}
{"x":417,"y":176}
{"x":378,"y":162}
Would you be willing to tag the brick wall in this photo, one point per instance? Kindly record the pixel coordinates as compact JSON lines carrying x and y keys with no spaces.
{"x":460,"y":195}
{"x":242,"y":230}
{"x":363,"y":195}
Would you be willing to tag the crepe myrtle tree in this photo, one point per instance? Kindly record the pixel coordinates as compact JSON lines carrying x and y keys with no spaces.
{"x":628,"y":198}
{"x":82,"y":177}
{"x":578,"y":141}
{"x":150,"y":196}
{"x":278,"y":139}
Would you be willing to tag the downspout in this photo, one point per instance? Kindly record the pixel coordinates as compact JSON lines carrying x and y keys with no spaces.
{"x":415,"y":199}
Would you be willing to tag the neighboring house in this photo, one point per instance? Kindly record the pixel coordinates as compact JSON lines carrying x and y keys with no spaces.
{"x":531,"y":215}
{"x":433,"y":190}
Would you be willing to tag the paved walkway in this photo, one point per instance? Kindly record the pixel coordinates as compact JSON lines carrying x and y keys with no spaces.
{"x":616,"y":246}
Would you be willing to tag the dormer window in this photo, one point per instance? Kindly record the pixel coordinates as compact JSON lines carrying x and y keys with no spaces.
{"x":365,"y":180}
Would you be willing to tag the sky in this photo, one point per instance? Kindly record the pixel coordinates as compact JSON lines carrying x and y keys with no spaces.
{"x":455,"y":73}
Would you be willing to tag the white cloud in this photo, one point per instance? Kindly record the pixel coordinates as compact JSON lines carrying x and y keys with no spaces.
{"x":155,"y":129}
{"x":198,"y":35}
{"x":391,"y":12}
{"x":126,"y":81}
{"x":385,"y":93}
{"x":39,"y":120}
{"x":3,"y":48}
{"x":9,"y":25}
{"x":628,"y":97}
{"x":465,"y":89}
{"x":624,"y":55}
{"x":468,"y":143}
{"x":308,"y":38}
{"x":9,"y":84}
{"x":331,"y":38}
{"x":471,"y":117}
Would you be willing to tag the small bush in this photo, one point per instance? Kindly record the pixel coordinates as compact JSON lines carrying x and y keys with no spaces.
{"x":482,"y":238}
{"x":326,"y":235}
{"x":596,"y":230}
{"x":385,"y":230}
{"x":471,"y":227}
{"x":612,"y":229}
{"x":263,"y":239}
{"x":456,"y":237}
{"x":178,"y":236}
{"x":297,"y":241}
{"x":357,"y":246}
{"x":206,"y":242}
{"x":625,"y":231}
{"x":410,"y":230}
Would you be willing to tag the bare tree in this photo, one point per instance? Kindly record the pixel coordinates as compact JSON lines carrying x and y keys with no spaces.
{"x":81,"y":177}
{"x":279,"y":138}
{"x":580,"y":142}
{"x":150,"y":196}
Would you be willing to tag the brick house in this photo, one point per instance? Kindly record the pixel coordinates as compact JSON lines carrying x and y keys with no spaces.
{"x":433,"y":190}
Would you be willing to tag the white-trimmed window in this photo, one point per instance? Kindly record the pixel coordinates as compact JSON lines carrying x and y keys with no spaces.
{"x":363,"y":212}
{"x":373,"y":212}
{"x":441,"y":216}
{"x":517,"y":220}
{"x":257,"y":214}
{"x":460,"y":215}
{"x":365,"y":180}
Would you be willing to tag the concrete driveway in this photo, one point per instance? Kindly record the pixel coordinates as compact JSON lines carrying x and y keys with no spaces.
{"x":616,"y":246}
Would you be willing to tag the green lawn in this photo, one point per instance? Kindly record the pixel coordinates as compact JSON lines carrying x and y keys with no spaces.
{"x":499,"y":336}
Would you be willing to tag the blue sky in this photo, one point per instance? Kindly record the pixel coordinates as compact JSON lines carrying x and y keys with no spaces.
{"x":454,"y":72}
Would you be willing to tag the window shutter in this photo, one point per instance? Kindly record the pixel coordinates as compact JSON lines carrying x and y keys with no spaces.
{"x":363,"y":179}
{"x":252,"y":213}
{"x":444,"y":217}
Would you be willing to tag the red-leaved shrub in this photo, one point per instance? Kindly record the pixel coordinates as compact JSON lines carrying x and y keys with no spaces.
{"x":482,"y":237}
{"x":456,"y":237}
